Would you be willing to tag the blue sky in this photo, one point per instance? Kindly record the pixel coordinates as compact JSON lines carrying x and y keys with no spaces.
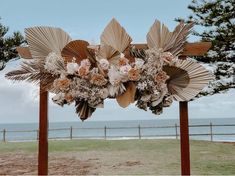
{"x":86,"y":20}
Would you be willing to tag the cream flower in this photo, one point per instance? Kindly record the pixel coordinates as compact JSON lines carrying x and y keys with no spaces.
{"x":72,"y":67}
{"x":139,"y":63}
{"x":86,"y":63}
{"x":125,"y":69}
{"x":114,"y":76}
{"x":104,"y":64}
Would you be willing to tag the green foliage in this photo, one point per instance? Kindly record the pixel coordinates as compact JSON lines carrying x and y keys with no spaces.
{"x":8,"y":45}
{"x":217,"y":17}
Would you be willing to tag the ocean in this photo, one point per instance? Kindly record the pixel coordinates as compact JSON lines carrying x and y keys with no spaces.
{"x":128,"y":129}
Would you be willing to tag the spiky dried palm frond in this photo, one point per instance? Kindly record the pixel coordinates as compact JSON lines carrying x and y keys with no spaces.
{"x":83,"y":109}
{"x":138,"y":53}
{"x":159,"y":36}
{"x":32,"y":72}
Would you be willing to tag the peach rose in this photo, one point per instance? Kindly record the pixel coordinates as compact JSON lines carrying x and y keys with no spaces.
{"x":62,"y":84}
{"x":83,"y":71}
{"x":161,"y":77}
{"x":69,"y":98}
{"x":134,"y":74}
{"x":98,"y":79}
{"x":167,"y":57}
{"x":123,"y":61}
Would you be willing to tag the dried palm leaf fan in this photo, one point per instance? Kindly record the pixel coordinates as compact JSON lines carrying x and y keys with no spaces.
{"x":187,"y":79}
{"x":84,"y":110}
{"x":115,"y":35}
{"x":24,"y":52}
{"x":42,"y":41}
{"x":75,"y":49}
{"x":115,"y":40}
{"x":159,"y":36}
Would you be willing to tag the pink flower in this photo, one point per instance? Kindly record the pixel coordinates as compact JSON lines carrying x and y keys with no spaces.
{"x":86,"y":63}
{"x":104,"y":64}
{"x":125,"y":69}
{"x":167,"y":57}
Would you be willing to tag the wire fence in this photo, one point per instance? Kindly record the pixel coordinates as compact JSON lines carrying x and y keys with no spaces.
{"x":138,"y":132}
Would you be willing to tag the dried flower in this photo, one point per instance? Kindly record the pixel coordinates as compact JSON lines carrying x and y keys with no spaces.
{"x":69,"y":98}
{"x":83,"y":71}
{"x":123,"y":61}
{"x":139,"y":63}
{"x":72,"y":67}
{"x":161,"y":77}
{"x":125,"y":69}
{"x":62,"y":84}
{"x":86,"y":63}
{"x":104,"y":64}
{"x":134,"y":74}
{"x":103,"y":93}
{"x":98,"y":79}
{"x":52,"y":62}
{"x":59,"y":99}
{"x":114,"y":76}
{"x":167,"y":57}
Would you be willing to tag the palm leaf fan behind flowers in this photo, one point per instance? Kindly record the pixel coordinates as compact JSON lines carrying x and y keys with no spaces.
{"x":187,"y":79}
{"x":75,"y":49}
{"x":42,"y":41}
{"x":159,"y":36}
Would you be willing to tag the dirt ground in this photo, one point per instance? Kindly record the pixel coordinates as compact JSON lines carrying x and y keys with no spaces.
{"x":63,"y":164}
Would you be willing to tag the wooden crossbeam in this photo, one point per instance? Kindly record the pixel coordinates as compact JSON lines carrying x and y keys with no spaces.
{"x":190,"y":49}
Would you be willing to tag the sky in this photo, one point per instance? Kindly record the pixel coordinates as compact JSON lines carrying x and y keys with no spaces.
{"x":85,"y":20}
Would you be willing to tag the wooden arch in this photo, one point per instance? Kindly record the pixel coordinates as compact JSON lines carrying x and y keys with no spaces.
{"x":190,"y":49}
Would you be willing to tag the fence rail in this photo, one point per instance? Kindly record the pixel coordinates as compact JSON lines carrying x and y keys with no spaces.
{"x":139,"y":132}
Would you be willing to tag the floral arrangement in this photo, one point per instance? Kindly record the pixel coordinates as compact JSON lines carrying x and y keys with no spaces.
{"x":87,"y":75}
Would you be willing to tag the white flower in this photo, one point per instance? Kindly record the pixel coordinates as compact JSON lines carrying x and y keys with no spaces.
{"x":116,"y":90}
{"x":114,"y":76}
{"x":85,"y":63}
{"x":59,"y":99}
{"x":104,"y":64}
{"x":72,"y":67}
{"x":104,"y":93}
{"x":139,"y":63}
{"x":125,"y":69}
{"x":51,"y":63}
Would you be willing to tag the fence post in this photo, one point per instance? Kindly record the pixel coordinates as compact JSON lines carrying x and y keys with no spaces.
{"x":211,"y":132}
{"x":139,"y":132}
{"x":105,"y":132}
{"x":4,"y":135}
{"x":71,"y":133}
{"x":37,"y":134}
{"x":176,"y":131}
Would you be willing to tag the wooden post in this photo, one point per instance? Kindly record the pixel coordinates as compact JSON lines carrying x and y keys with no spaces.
{"x":176,"y":131}
{"x":43,"y":133}
{"x":184,"y":139}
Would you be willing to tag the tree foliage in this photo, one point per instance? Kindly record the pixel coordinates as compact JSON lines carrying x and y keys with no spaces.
{"x":8,"y":45}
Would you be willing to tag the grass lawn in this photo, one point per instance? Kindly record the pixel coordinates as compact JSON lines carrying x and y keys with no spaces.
{"x":118,"y":157}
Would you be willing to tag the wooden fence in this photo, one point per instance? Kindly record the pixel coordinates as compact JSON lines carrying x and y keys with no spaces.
{"x":139,"y":135}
